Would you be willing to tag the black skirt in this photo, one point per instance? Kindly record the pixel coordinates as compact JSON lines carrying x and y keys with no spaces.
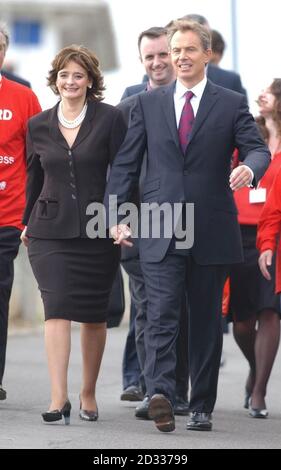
{"x":75,"y":276}
{"x":250,"y":292}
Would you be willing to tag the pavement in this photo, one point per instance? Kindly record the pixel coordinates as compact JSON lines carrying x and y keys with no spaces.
{"x":26,"y":382}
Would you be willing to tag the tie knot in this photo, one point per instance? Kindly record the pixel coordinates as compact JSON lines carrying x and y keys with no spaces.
{"x":188,"y":95}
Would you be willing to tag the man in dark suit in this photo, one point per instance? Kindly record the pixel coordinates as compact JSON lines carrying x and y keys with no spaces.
{"x":154,"y":55}
{"x":192,"y":167}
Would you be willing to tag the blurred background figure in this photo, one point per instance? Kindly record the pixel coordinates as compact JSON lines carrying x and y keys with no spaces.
{"x":17,"y":104}
{"x":254,"y":306}
{"x":218,"y":47}
{"x":8,"y":72}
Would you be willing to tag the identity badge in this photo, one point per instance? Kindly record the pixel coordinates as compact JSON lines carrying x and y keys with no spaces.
{"x":257,"y":196}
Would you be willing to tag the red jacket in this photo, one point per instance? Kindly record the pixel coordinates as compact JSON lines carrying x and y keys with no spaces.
{"x":269,"y":227}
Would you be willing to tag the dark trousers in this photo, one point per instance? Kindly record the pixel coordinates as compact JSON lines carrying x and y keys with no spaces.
{"x":9,"y":246}
{"x":164,"y":283}
{"x":131,"y":371}
{"x":135,"y":340}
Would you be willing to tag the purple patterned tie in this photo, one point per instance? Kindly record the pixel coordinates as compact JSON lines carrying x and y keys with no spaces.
{"x":186,"y":121}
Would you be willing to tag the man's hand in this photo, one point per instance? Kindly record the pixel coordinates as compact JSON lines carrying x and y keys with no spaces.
{"x":120,"y":233}
{"x":23,"y":237}
{"x":241,"y":176}
{"x":265,"y":260}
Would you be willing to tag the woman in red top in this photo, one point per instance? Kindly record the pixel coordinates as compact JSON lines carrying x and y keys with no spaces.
{"x":254,"y":306}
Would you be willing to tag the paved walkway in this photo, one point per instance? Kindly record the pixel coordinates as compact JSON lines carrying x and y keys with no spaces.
{"x":28,"y":395}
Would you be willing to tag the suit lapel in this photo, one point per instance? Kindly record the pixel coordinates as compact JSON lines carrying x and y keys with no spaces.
{"x":208,"y":100}
{"x":54,"y":128}
{"x":168,"y":105}
{"x":87,"y":124}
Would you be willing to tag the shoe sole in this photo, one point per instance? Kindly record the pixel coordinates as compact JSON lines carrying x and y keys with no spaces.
{"x":129,"y":397}
{"x":161,"y":412}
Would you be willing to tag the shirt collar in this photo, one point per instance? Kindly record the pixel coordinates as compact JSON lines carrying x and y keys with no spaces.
{"x":197,"y":90}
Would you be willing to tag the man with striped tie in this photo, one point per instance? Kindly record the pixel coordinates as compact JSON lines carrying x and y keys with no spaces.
{"x":188,"y":161}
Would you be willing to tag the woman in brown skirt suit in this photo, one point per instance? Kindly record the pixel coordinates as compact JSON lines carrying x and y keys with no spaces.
{"x":69,"y":149}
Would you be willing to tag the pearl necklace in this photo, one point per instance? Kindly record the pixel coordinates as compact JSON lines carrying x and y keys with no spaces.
{"x":76,"y":122}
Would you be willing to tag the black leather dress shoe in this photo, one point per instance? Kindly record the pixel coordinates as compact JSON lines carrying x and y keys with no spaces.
{"x":141,"y":411}
{"x":181,"y":406}
{"x":3,"y":393}
{"x":160,"y":409}
{"x":132,"y":393}
{"x":199,"y":422}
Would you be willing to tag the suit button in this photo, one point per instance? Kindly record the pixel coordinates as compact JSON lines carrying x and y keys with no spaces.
{"x":71,"y":174}
{"x":73,"y":185}
{"x":73,"y":196}
{"x":70,"y":163}
{"x":69,"y":153}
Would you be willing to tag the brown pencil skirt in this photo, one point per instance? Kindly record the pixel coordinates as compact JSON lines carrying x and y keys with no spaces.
{"x":74,"y":276}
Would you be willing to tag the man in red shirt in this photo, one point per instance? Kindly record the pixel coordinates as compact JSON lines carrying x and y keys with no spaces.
{"x":17,"y":104}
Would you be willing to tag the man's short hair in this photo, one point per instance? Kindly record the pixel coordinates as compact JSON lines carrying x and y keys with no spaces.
{"x":183,"y":25}
{"x":197,"y":18}
{"x":152,"y":33}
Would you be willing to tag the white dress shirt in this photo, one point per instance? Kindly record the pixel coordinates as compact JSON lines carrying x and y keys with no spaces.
{"x":179,"y":97}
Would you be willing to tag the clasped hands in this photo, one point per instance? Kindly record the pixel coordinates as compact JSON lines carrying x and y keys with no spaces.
{"x":120,"y":233}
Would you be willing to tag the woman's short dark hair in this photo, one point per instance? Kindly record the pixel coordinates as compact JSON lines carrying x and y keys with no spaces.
{"x":87,"y":60}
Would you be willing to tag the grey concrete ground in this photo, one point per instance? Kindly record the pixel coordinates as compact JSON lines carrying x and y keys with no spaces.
{"x":28,"y":395}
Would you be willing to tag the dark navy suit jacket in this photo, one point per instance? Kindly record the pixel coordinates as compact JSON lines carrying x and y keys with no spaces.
{"x":200,"y":176}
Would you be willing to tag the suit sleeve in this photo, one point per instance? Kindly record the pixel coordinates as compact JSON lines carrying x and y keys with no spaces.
{"x":126,"y":167}
{"x":35,"y":177}
{"x":117,"y":134}
{"x":253,"y":151}
{"x":269,"y":227}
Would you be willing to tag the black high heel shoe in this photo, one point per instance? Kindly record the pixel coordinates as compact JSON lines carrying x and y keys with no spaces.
{"x":86,"y":415}
{"x":56,"y":415}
